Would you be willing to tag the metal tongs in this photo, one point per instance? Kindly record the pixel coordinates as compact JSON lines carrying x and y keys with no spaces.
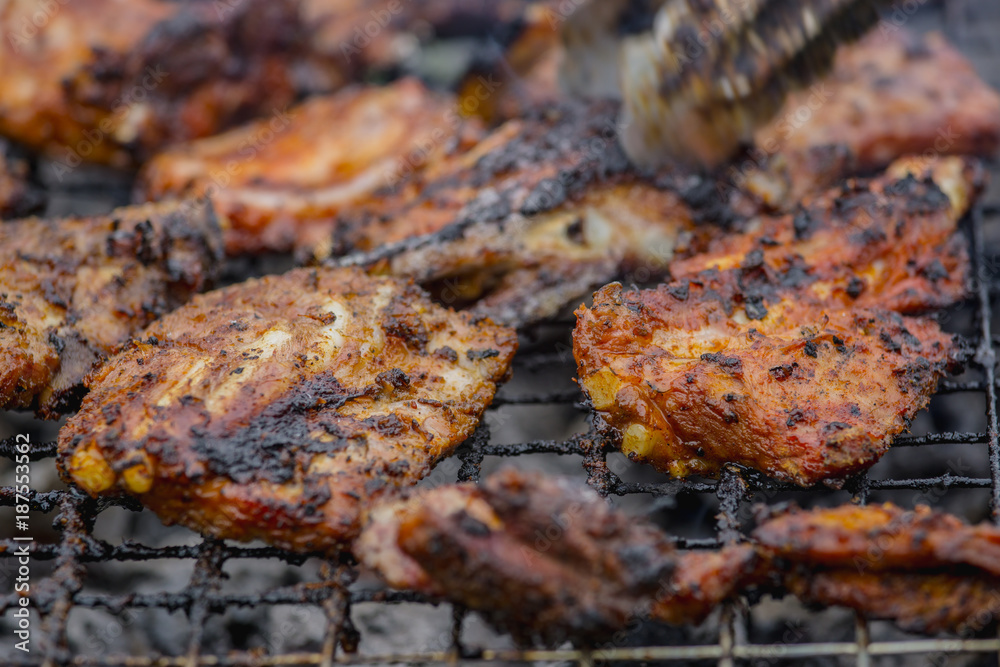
{"x":698,"y":77}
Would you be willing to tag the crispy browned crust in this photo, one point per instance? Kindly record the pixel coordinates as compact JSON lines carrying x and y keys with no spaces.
{"x":112,"y":81}
{"x":542,"y":211}
{"x":280,"y":182}
{"x":879,"y":537}
{"x":703,"y":580}
{"x":526,"y":166}
{"x":889,"y":242}
{"x":278,"y":408}
{"x":524,"y":269}
{"x":72,"y":290}
{"x":923,"y":603}
{"x":542,"y":558}
{"x":549,"y":561}
{"x":736,"y":367}
{"x":18,"y":197}
{"x":927,"y":571}
{"x":546,"y":559}
{"x":890,"y":95}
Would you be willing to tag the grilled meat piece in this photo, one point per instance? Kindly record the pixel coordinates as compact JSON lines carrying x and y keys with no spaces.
{"x":703,"y":580}
{"x":280,"y":182}
{"x":921,"y":603}
{"x":879,"y":538}
{"x":527,"y":166}
{"x":72,"y":290}
{"x":112,"y":81}
{"x":545,"y":559}
{"x":927,"y":571}
{"x":890,"y":242}
{"x":539,"y":213}
{"x":892,"y":94}
{"x":279,"y":408}
{"x":693,"y":97}
{"x":541,"y":558}
{"x":18,"y":197}
{"x":524,"y":269}
{"x":736,"y":367}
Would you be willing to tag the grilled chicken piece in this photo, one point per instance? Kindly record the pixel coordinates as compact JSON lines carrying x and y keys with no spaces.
{"x":890,"y":242}
{"x":745,"y":366}
{"x":279,"y":408}
{"x":927,"y":571}
{"x":72,"y":290}
{"x":112,"y":81}
{"x":892,"y":94}
{"x":703,"y":580}
{"x":921,"y":603}
{"x":524,"y":269}
{"x":544,"y":559}
{"x":878,"y":538}
{"x":542,"y":211}
{"x":280,"y":182}
{"x":18,"y":197}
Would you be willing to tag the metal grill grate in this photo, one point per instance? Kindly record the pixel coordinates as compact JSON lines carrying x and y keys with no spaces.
{"x":62,"y":587}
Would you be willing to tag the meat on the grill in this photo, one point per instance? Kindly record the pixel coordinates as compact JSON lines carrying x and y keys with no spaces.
{"x":924,"y":570}
{"x":888,"y":242}
{"x":364,"y":35}
{"x":549,"y":561}
{"x":695,"y":100}
{"x":539,"y":213}
{"x":735,"y":367}
{"x":18,"y":197}
{"x":72,"y":290}
{"x":544,"y":558}
{"x":892,"y":94}
{"x":280,"y":182}
{"x":876,"y":538}
{"x":926,"y":603}
{"x":279,"y":408}
{"x":112,"y":81}
{"x":781,"y":348}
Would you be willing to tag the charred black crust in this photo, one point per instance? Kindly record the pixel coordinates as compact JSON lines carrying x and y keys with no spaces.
{"x":234,"y":44}
{"x":172,"y":251}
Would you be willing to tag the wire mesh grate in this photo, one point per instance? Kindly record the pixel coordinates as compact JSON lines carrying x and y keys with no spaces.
{"x":63,"y":590}
{"x":62,"y":587}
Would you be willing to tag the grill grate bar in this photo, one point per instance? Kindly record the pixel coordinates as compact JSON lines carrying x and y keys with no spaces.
{"x":986,"y":358}
{"x":626,"y":655}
